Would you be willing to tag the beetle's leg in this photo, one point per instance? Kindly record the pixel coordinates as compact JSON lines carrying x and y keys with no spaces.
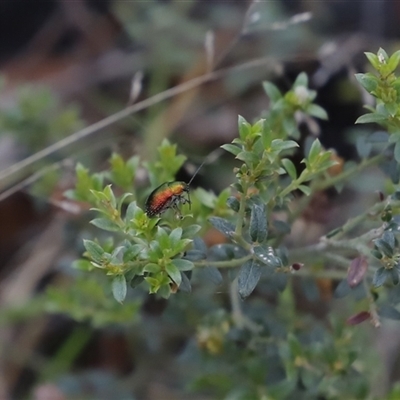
{"x":176,"y":200}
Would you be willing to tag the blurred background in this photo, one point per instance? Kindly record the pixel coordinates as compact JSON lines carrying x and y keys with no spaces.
{"x":65,"y":65}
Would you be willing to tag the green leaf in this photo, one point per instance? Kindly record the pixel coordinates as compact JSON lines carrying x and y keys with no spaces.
{"x":382,"y":55}
{"x":389,"y":238}
{"x":185,"y":285}
{"x":175,"y":236}
{"x":110,"y":196}
{"x":95,"y":250}
{"x":181,"y":245}
{"x":152,"y":268}
{"x":314,"y":152}
{"x":131,"y":211}
{"x":122,"y":199}
{"x":290,"y":127}
{"x":378,"y":137}
{"x":249,"y":275}
{"x":301,"y":80}
{"x":123,"y":173}
{"x":373,"y":59}
{"x":279,"y":145}
{"x":368,"y":81}
{"x":212,"y":275}
{"x":190,"y":231}
{"x":131,"y":252}
{"x":272,"y":91}
{"x":342,"y":289}
{"x":163,"y":238}
{"x":231,"y":148}
{"x":244,"y":128}
{"x":155,"y":252}
{"x":233,"y":203}
{"x":380,"y":276}
{"x":391,"y":108}
{"x":371,"y":118}
{"x":195,"y":255}
{"x":393,"y":61}
{"x":282,"y":227}
{"x":317,"y":111}
{"x":387,"y":311}
{"x":207,"y":198}
{"x":363,"y":146}
{"x":223,"y":225}
{"x":136,"y":281}
{"x":294,"y":345}
{"x":290,"y":168}
{"x":105,"y":224}
{"x":182,"y":264}
{"x":305,"y":189}
{"x":199,"y":244}
{"x":174,"y":273}
{"x":118,"y":287}
{"x":384,"y":247}
{"x":267,"y":256}
{"x":258,"y":223}
{"x":249,"y":157}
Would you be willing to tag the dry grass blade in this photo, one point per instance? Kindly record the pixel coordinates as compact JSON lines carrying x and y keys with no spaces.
{"x":19,"y":170}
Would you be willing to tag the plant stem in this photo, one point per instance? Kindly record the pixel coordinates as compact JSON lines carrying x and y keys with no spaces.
{"x":242,"y":209}
{"x":334,"y":180}
{"x":19,"y":170}
{"x":318,"y":185}
{"x":375,"y":320}
{"x":236,"y":262}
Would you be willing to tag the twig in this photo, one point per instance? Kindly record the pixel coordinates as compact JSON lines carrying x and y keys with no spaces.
{"x":12,"y":173}
{"x":33,"y":178}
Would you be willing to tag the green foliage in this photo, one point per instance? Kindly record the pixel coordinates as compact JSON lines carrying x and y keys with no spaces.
{"x":385,"y":87}
{"x":283,"y":354}
{"x":86,"y":300}
{"x":37,"y":119}
{"x":281,"y":116}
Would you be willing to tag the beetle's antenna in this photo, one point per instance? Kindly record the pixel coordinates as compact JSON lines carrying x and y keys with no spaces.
{"x":195,"y":173}
{"x":209,"y":159}
{"x":190,"y":203}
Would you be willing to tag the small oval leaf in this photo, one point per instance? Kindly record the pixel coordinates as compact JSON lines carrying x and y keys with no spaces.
{"x":380,"y":276}
{"x":194,"y":255}
{"x":258,"y":223}
{"x":223,"y":225}
{"x":342,"y":289}
{"x":249,"y":275}
{"x":267,"y":256}
{"x":94,"y":249}
{"x":182,"y":265}
{"x":185,"y":285}
{"x":212,"y":274}
{"x":118,"y":287}
{"x":105,"y":224}
{"x":233,"y":203}
{"x":174,"y":273}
